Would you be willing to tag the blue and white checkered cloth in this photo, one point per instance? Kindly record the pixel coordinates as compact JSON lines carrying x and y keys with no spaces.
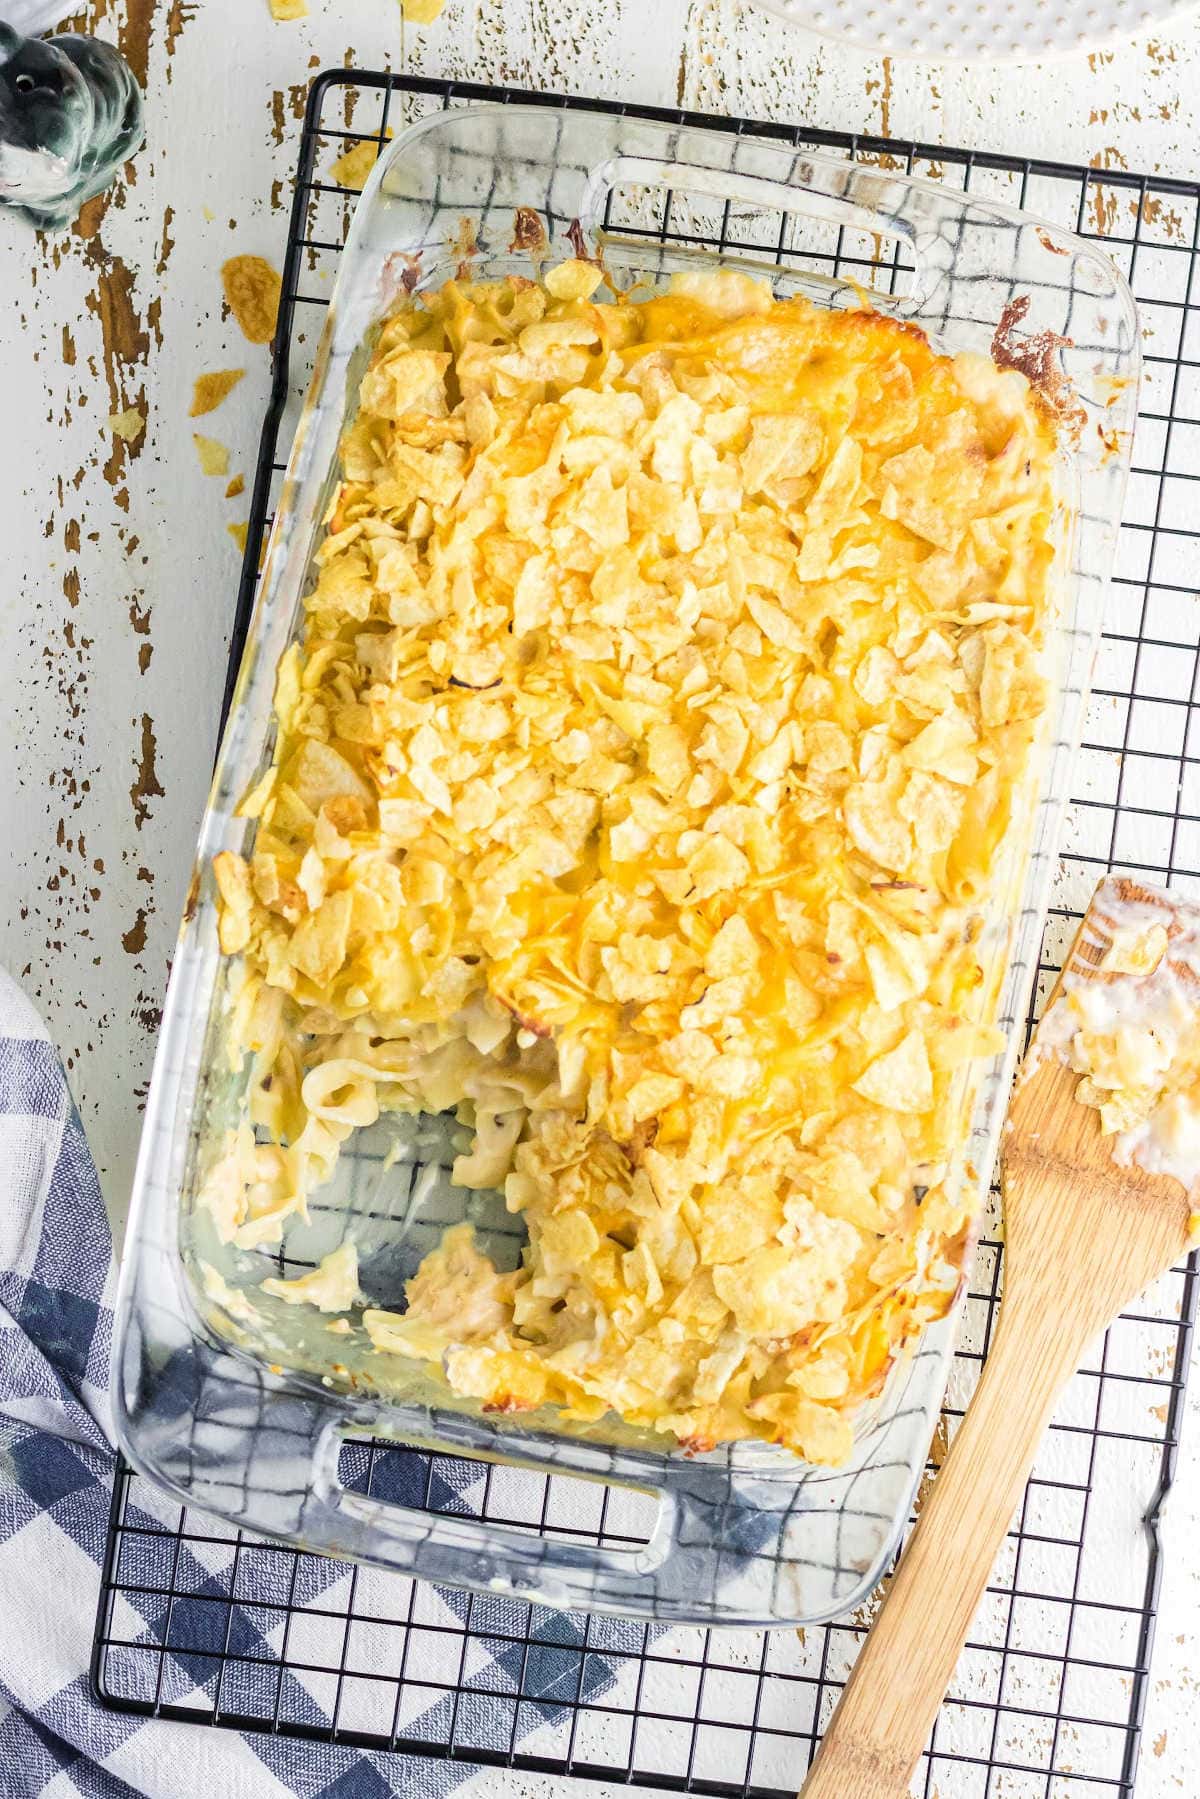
{"x":56,"y":1464}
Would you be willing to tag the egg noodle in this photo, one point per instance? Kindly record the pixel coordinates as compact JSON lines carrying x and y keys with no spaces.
{"x":667,"y":693}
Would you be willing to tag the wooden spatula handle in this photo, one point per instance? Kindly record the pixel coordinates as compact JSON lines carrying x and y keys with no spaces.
{"x":887,"y":1711}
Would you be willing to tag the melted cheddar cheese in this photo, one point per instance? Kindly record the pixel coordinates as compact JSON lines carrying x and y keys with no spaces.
{"x":665,"y":706}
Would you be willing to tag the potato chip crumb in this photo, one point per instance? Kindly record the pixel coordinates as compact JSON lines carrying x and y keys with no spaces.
{"x":421,"y":12}
{"x":211,"y":389}
{"x":289,"y":9}
{"x":128,"y":425}
{"x":214,"y":457}
{"x":236,"y":486}
{"x":900,"y":1080}
{"x":354,"y":166}
{"x":575,"y":280}
{"x":238,"y":534}
{"x":253,"y":290}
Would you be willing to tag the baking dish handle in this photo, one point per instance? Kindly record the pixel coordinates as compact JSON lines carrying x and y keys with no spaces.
{"x":827,"y":189}
{"x":675,"y":1572}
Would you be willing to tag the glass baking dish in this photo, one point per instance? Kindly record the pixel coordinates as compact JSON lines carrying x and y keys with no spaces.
{"x":241,"y":1410}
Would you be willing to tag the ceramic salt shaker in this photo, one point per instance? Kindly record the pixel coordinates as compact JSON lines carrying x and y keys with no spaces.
{"x":70,"y":115}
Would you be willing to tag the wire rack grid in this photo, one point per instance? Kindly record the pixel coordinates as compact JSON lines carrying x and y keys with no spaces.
{"x":1049,"y":1696}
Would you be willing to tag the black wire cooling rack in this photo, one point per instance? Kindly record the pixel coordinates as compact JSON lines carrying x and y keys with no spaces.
{"x":201,"y":1622}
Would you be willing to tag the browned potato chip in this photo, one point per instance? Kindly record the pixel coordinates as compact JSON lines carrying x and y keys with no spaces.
{"x":353,"y":166}
{"x":211,"y":389}
{"x":252,"y":290}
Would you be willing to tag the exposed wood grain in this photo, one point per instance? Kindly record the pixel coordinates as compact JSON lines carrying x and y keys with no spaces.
{"x":620,"y":49}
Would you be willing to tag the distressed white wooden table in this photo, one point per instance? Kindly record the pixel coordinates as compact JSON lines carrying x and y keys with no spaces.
{"x":120,"y":574}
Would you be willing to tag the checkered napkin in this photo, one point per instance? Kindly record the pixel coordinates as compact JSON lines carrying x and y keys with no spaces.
{"x":56,"y":1463}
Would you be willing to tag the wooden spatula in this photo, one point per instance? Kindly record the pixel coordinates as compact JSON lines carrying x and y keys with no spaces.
{"x":1084,"y":1237}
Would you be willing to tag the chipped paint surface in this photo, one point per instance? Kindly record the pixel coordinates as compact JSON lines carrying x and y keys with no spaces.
{"x":1139,"y":103}
{"x":121,"y":575}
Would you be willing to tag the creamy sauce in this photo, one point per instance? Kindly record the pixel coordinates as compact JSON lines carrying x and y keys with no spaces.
{"x":1130,"y":1027}
{"x":332,"y":1286}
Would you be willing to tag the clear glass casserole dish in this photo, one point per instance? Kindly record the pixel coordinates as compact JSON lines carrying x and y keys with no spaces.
{"x":241,"y":1410}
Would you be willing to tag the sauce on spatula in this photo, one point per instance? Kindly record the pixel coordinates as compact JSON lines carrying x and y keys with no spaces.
{"x":1130,"y":1028}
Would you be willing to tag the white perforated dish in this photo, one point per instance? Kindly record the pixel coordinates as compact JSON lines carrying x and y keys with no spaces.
{"x":978,"y":30}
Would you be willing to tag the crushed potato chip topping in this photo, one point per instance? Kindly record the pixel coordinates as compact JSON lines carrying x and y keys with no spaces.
{"x":127,"y":425}
{"x":353,"y":166}
{"x":211,"y":389}
{"x":667,"y":693}
{"x":214,"y":456}
{"x":253,"y":290}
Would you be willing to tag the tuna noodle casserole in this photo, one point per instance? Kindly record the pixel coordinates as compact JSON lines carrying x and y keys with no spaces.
{"x":668,"y":693}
